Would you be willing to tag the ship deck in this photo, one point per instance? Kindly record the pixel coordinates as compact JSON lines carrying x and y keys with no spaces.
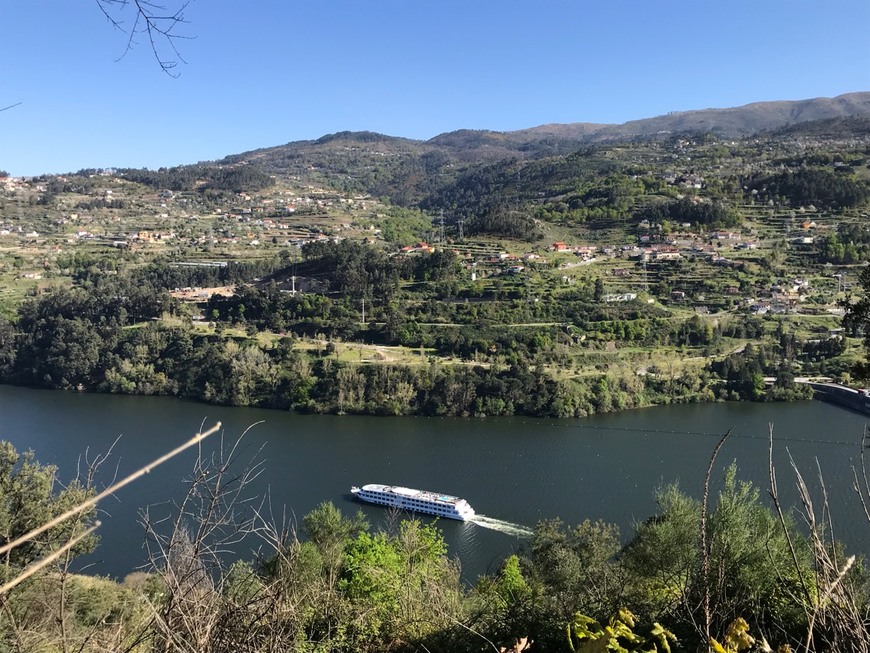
{"x":434,"y":497}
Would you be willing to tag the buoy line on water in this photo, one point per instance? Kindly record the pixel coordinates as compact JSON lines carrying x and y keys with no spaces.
{"x":628,"y":429}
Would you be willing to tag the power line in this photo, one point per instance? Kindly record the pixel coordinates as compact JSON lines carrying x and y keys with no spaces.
{"x":714,"y":435}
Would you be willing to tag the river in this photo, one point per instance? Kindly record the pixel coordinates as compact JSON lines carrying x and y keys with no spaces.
{"x":513,"y":471}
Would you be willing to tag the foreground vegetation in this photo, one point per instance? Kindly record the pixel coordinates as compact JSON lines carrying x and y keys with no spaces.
{"x":340,"y":584}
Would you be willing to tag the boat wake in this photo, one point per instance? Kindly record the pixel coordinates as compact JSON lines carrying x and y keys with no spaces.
{"x":517,"y":530}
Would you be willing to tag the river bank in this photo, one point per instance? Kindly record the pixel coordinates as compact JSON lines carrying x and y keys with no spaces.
{"x":228,"y":374}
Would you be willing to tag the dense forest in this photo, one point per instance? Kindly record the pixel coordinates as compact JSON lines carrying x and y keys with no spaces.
{"x":105,"y":335}
{"x":203,"y":177}
{"x":820,"y":187}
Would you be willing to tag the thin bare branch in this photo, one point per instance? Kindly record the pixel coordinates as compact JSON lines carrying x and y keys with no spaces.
{"x":862,"y":488}
{"x":186,"y":551}
{"x":156,"y":22}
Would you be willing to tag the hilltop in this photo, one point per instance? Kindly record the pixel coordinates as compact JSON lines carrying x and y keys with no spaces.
{"x":444,"y":173}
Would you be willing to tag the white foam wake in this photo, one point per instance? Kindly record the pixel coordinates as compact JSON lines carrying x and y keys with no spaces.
{"x":517,"y":530}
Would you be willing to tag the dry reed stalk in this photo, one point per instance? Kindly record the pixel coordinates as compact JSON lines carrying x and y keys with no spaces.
{"x":774,"y":495}
{"x":834,"y":604}
{"x":44,"y":562}
{"x":90,"y":503}
{"x":705,"y":548}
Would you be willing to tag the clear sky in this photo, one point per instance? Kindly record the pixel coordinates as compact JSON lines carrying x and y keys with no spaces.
{"x":266,"y":72}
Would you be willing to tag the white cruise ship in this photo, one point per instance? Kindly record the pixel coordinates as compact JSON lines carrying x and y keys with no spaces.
{"x":403,"y":498}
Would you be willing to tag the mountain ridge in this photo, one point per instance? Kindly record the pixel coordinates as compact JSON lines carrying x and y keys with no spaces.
{"x":729,"y":122}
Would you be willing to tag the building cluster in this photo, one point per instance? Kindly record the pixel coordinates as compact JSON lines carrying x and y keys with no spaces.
{"x":303,"y":215}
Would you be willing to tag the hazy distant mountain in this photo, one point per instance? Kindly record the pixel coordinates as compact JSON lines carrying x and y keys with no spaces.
{"x":407,"y":170}
{"x":729,"y":123}
{"x":733,"y":122}
{"x":545,"y":140}
{"x":751,"y":118}
{"x":829,"y":128}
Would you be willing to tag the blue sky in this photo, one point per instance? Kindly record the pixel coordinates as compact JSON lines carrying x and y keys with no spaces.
{"x":266,"y":72}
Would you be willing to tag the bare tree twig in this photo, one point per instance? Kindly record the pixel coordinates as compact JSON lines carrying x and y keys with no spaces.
{"x":862,"y":489}
{"x":189,"y":557}
{"x":156,"y":22}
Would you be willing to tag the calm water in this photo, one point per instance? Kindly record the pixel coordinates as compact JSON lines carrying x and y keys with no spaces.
{"x":514,"y":471}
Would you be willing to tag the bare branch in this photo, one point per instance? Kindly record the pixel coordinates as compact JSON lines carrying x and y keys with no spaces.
{"x":156,"y":22}
{"x":187,"y":551}
{"x":862,"y":488}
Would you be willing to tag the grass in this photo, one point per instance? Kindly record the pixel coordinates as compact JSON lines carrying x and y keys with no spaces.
{"x":354,"y":352}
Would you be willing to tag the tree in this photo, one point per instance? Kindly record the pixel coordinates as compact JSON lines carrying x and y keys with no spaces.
{"x":856,"y":321}
{"x":7,"y":348}
{"x":755,"y":562}
{"x":29,"y":497}
{"x":576,"y":567}
{"x":505,"y":604}
{"x":62,"y":353}
{"x":331,"y":532}
{"x":598,"y":293}
{"x":404,"y":587}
